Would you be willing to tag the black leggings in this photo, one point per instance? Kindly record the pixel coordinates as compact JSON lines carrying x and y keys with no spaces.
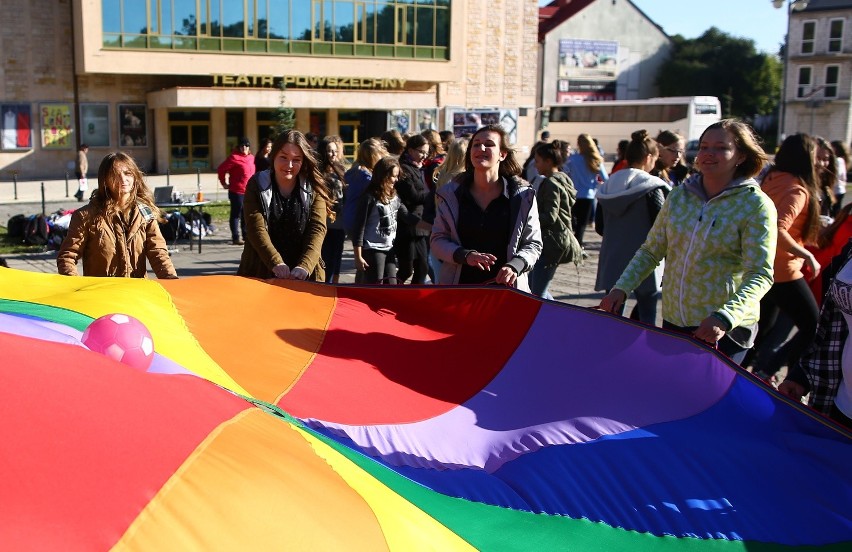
{"x":796,"y":300}
{"x":580,"y":217}
{"x":413,"y":257}
{"x":381,"y":267}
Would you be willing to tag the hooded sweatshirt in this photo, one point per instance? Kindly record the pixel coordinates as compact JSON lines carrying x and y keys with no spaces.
{"x":630,"y":201}
{"x":718,"y":252}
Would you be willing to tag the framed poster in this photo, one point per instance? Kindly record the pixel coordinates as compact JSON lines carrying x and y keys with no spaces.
{"x":399,"y":119}
{"x":427,"y":119}
{"x":94,"y":125}
{"x":132,"y":126}
{"x":15,"y":127}
{"x":57,"y":126}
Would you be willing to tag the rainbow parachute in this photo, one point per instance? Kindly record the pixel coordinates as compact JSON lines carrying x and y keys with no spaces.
{"x":310,"y":417}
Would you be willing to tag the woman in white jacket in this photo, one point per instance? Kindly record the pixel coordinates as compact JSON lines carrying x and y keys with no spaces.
{"x":486,"y":227}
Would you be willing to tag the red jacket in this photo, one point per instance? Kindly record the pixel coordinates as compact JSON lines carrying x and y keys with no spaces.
{"x":239,"y":169}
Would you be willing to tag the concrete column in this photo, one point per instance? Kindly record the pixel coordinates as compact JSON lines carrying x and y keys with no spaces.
{"x":331,"y":122}
{"x":303,"y":120}
{"x":250,"y":131}
{"x":161,"y":139}
{"x":218,"y":137}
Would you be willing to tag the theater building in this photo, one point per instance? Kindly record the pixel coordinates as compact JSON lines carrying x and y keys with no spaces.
{"x":177,"y":82}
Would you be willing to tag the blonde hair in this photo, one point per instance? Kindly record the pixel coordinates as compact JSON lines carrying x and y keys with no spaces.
{"x":453,"y":164}
{"x":589,"y":151}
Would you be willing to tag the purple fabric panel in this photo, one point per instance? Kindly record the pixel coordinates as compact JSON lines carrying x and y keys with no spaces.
{"x":578,"y":375}
{"x":60,"y":333}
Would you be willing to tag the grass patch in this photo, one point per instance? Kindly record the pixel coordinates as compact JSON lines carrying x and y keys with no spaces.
{"x":13,"y":246}
{"x":219,"y":212}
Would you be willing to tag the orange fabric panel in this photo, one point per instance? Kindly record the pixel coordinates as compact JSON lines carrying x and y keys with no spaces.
{"x":262,"y":334}
{"x":257,"y":473}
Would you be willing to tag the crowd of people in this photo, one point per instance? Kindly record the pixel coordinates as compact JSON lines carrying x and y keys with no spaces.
{"x":739,"y":251}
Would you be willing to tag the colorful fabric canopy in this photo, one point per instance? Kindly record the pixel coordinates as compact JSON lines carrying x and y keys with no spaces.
{"x":397,"y":418}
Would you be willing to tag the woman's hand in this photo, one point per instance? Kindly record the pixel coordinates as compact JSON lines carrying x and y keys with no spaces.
{"x":791,"y":389}
{"x":298,"y":273}
{"x":613,"y":302}
{"x":361,"y":264}
{"x":281,"y":271}
{"x":506,"y":276}
{"x":813,"y":265}
{"x":483,"y":261}
{"x":710,"y":330}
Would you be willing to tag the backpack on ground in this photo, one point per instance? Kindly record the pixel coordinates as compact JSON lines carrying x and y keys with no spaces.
{"x":15,"y":226}
{"x":36,"y":232}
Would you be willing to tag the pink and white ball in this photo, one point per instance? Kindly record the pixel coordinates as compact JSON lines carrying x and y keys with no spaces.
{"x":123,"y":338}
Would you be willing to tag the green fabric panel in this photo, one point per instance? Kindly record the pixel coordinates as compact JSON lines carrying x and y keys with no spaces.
{"x":46,"y":312}
{"x":493,"y":528}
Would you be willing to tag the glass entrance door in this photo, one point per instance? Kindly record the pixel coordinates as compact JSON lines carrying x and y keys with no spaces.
{"x":349,"y":134}
{"x":189,"y":146}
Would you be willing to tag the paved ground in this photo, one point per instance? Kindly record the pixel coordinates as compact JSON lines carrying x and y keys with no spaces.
{"x":218,"y":256}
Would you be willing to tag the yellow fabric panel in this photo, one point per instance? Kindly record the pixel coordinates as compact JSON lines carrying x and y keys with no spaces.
{"x":255,"y":484}
{"x":406,"y":527}
{"x":142,"y":299}
{"x":264,"y":335}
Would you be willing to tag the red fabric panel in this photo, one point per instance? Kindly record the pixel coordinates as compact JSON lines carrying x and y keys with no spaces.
{"x":396,"y":355}
{"x":81,"y":489}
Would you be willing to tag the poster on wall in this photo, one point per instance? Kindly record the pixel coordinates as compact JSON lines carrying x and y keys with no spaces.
{"x":132,"y":125}
{"x":57,"y":126}
{"x":15,"y":127}
{"x":94,"y":125}
{"x":427,"y":119}
{"x":399,"y":120}
{"x":588,"y":70}
{"x":468,"y":121}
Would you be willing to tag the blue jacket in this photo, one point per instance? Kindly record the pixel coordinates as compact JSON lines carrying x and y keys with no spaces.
{"x":585,"y":181}
{"x":357,"y":179}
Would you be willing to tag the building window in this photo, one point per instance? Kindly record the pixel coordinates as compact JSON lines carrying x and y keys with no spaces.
{"x":362,"y":28}
{"x":832,"y":77}
{"x":835,"y":35}
{"x":808,"y":36}
{"x":805,"y":76}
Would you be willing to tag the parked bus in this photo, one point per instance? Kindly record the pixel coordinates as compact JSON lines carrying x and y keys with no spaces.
{"x":614,"y":120}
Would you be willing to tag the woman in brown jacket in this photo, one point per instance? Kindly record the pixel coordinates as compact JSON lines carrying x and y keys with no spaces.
{"x":286,"y":209}
{"x":118,"y":229}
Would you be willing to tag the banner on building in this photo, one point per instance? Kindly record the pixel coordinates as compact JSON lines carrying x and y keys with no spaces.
{"x":57,"y":126}
{"x":588,"y":70}
{"x":15,"y":127}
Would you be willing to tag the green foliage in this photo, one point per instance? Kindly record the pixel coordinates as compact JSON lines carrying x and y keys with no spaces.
{"x":285,"y":117}
{"x":747,"y":82}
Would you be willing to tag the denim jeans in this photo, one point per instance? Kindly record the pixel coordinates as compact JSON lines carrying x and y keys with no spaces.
{"x":236,"y":219}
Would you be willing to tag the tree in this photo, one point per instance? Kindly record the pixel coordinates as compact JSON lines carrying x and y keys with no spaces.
{"x":285,"y":117}
{"x":747,"y":82}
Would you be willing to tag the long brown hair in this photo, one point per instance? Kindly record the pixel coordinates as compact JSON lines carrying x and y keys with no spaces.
{"x":509,"y":166}
{"x":109,"y":179}
{"x":796,"y":157}
{"x":380,"y":185}
{"x":310,"y":169}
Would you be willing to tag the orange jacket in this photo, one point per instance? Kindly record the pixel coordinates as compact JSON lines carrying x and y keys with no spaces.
{"x":791,"y":201}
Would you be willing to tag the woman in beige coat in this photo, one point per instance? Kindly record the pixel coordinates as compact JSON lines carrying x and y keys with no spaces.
{"x":118,"y":230}
{"x":286,"y":208}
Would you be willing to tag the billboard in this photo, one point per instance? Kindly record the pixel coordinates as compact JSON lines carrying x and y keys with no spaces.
{"x":588,"y":70}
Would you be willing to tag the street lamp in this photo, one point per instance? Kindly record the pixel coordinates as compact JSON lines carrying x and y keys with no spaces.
{"x":792,"y":5}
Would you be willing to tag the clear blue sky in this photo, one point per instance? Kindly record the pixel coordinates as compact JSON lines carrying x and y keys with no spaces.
{"x":754,"y":19}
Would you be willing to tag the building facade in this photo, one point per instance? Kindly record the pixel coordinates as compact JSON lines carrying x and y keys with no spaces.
{"x":177,"y":82}
{"x":818,"y":76}
{"x":599,"y":50}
